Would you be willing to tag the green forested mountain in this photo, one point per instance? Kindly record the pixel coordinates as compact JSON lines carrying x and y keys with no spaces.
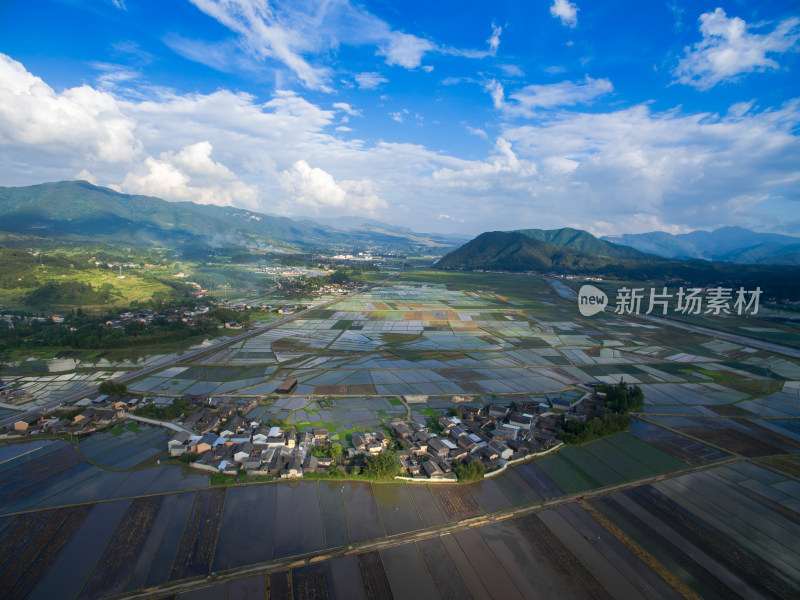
{"x":78,"y":210}
{"x":515,"y":251}
{"x":583,"y":241}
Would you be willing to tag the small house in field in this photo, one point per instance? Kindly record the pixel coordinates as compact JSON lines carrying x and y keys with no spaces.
{"x":25,"y":422}
{"x":287,"y":387}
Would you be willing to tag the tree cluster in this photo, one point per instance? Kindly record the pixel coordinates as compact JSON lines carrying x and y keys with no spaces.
{"x":472,"y":471}
{"x":579,"y":432}
{"x":59,"y":293}
{"x":113,"y":388}
{"x":164,"y":413}
{"x":623,"y":398}
{"x":332,"y":451}
{"x":382,"y":466}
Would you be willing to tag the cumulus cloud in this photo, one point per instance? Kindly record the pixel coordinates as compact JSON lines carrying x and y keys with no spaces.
{"x":684,"y":169}
{"x":566,"y":11}
{"x":81,"y":122}
{"x":171,"y":177}
{"x":503,"y":166}
{"x":728,"y":49}
{"x":316,"y":189}
{"x":405,"y":50}
{"x":565,"y":167}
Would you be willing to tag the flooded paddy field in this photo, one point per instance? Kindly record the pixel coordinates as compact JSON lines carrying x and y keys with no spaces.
{"x":666,"y":540}
{"x":99,"y":518}
{"x":151,"y":539}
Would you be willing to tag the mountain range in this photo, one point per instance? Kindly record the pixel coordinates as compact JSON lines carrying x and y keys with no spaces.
{"x":578,"y":252}
{"x":726,"y":244}
{"x":79,"y":210}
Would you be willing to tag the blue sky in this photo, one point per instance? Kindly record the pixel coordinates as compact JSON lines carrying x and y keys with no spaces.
{"x":615,"y":117}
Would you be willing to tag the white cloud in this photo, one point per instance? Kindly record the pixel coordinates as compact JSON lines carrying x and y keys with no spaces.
{"x":346,"y":108}
{"x":526,"y":101}
{"x":494,"y":39}
{"x":296,"y":33}
{"x":80,"y":122}
{"x":566,"y":93}
{"x":315,"y":188}
{"x":370,"y":81}
{"x":567,"y":166}
{"x":196,"y":159}
{"x":404,"y":50}
{"x":476,"y":131}
{"x":112,"y":75}
{"x":171,"y":175}
{"x":495,"y":89}
{"x":483,"y":174}
{"x":684,"y":169}
{"x":397,"y":116}
{"x":728,"y":49}
{"x":566,"y":11}
{"x":446,"y":218}
{"x":265,"y":33}
{"x":512,"y":70}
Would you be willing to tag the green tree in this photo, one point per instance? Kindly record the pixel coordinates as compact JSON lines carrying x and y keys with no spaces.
{"x":472,"y":471}
{"x":622,"y":398}
{"x":382,"y":466}
{"x":113,"y":388}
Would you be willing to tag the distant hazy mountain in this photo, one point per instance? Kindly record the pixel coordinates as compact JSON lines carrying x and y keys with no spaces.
{"x":728,"y":244}
{"x":78,"y":210}
{"x":364,"y":228}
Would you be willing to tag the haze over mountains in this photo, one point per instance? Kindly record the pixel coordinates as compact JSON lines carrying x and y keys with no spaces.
{"x":77,"y":210}
{"x":727,"y":244}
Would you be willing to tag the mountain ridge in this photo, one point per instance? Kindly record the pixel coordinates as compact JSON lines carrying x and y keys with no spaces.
{"x":725,"y":244}
{"x":78,"y":210}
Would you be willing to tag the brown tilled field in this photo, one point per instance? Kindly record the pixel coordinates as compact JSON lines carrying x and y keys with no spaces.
{"x":119,"y":557}
{"x":456,"y":503}
{"x":373,"y":576}
{"x":200,"y":537}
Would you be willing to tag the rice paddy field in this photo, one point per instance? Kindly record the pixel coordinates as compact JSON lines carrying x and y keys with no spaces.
{"x":129,"y":528}
{"x":699,"y":499}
